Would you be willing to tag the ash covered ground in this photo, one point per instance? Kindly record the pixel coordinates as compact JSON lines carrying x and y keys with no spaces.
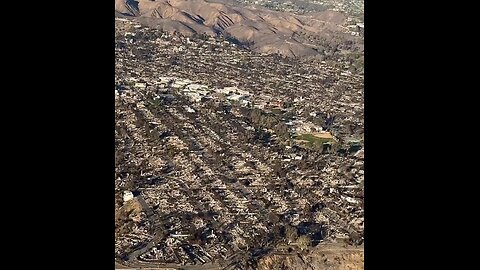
{"x":225,"y":157}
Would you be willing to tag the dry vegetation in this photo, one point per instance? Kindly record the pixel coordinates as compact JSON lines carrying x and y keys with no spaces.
{"x":261,"y":30}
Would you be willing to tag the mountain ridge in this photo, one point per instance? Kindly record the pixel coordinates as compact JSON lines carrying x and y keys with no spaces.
{"x":262,"y":30}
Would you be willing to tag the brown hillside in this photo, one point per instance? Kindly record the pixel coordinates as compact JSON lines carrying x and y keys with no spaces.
{"x":266,"y":31}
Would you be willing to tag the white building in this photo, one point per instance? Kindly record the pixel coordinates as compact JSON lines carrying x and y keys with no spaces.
{"x":127,"y":195}
{"x":140,"y":85}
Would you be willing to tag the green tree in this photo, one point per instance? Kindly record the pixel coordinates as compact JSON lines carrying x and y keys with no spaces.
{"x":303,"y":242}
{"x":290,"y":234}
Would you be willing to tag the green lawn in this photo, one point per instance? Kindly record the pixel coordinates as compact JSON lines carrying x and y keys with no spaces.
{"x":276,"y":111}
{"x":313,"y":140}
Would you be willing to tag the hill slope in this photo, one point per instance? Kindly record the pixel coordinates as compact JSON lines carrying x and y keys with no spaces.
{"x":263,"y":30}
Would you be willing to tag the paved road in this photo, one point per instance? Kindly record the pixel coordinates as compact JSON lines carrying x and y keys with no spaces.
{"x":132,"y":257}
{"x":152,"y":216}
{"x":332,"y":248}
{"x":207,"y":266}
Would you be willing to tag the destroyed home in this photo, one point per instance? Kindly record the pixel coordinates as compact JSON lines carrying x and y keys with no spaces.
{"x":238,"y":155}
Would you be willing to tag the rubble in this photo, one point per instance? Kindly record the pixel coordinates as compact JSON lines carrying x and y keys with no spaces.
{"x":227,"y":150}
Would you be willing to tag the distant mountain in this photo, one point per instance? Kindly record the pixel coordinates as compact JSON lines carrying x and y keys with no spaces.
{"x":262,"y":30}
{"x":127,"y":7}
